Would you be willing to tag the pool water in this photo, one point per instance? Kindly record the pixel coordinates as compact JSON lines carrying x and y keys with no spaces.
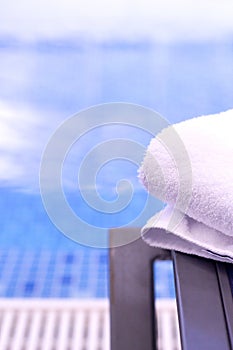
{"x":36,"y":260}
{"x":54,"y":80}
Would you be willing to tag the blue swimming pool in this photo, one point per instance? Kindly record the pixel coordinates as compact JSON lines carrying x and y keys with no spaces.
{"x":45,"y":82}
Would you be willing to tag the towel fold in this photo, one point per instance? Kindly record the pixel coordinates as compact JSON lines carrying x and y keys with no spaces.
{"x":189,"y":166}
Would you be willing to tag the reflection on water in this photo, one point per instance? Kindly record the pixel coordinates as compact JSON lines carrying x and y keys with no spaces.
{"x":178,"y":80}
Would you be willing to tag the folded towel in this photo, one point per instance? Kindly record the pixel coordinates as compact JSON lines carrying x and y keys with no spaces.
{"x":189,"y":166}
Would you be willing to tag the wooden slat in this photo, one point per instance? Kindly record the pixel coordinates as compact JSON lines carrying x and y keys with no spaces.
{"x":63,"y":332}
{"x":168,"y":327}
{"x":7,"y":319}
{"x":36,"y":321}
{"x":93,"y":330}
{"x":106,"y":331}
{"x":167,"y":341}
{"x":48,"y":338}
{"x":18,"y":340}
{"x":34,"y":332}
{"x":78,"y":332}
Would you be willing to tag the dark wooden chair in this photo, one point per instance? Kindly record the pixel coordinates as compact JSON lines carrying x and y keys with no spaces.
{"x":203,"y":294}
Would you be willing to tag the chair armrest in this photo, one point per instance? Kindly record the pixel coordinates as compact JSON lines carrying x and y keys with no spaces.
{"x":132,"y":313}
{"x":204,"y":299}
{"x":201,"y":311}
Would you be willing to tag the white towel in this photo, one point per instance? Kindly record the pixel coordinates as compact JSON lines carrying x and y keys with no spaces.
{"x":189,"y":166}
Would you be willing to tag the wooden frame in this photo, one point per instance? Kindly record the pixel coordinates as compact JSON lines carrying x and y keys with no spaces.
{"x":203,"y":293}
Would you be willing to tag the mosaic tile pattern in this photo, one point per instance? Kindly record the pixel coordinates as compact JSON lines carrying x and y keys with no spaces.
{"x":36,"y":260}
{"x":64,"y":274}
{"x":81,"y":273}
{"x":164,"y":279}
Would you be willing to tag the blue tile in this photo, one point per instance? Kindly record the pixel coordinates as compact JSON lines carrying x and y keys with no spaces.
{"x":29,"y":286}
{"x":66,"y":279}
{"x":103,"y":259}
{"x":70,"y":258}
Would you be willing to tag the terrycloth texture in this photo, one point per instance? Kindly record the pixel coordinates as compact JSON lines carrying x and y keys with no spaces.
{"x":189,"y":166}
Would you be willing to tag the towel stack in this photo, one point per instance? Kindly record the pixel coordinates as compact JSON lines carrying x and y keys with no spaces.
{"x":189,"y":166}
